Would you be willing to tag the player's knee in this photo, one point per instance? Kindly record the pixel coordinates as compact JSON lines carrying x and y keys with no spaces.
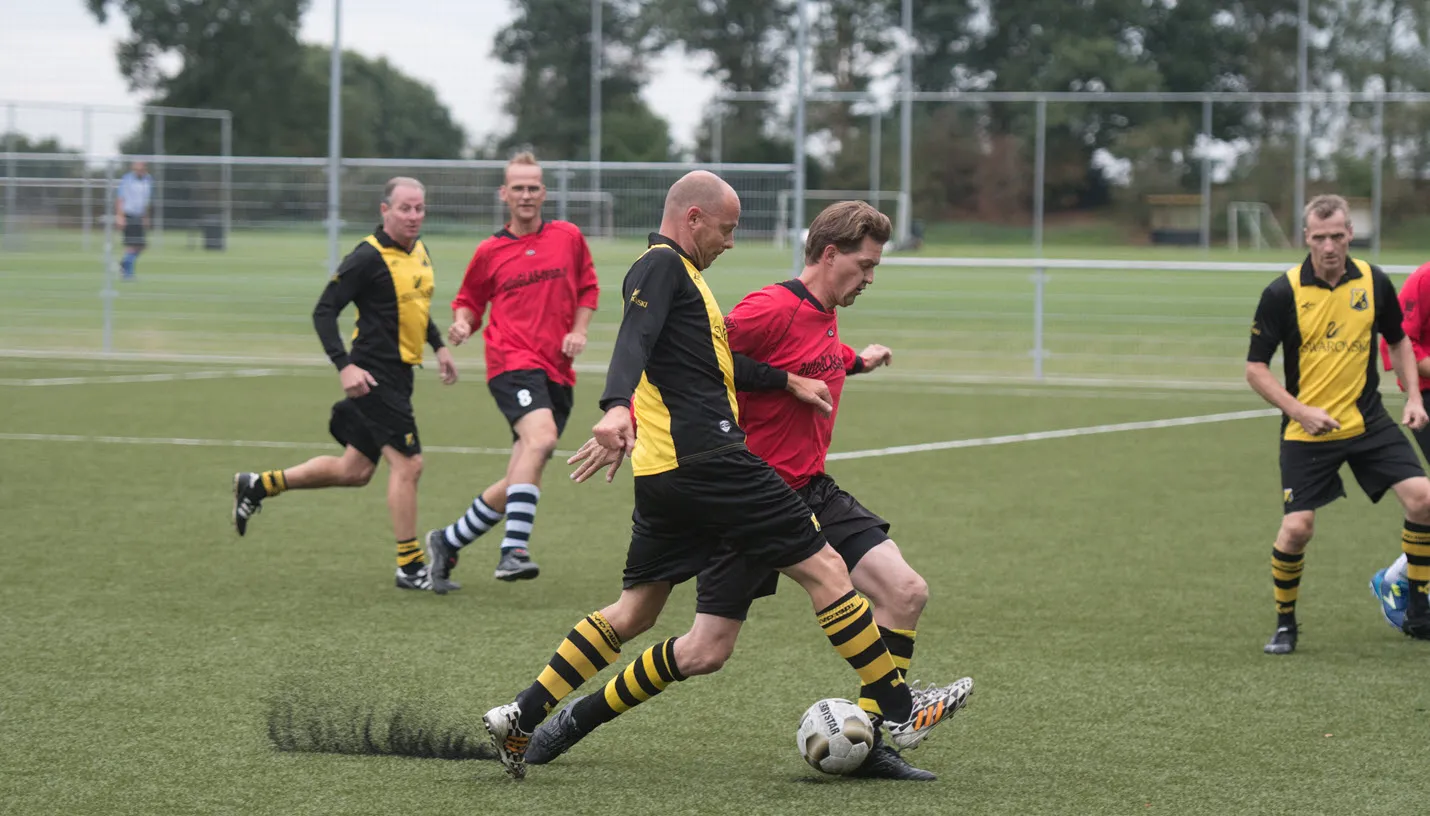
{"x":1297,"y":531}
{"x":628,"y":620}
{"x":706,"y":657}
{"x":357,"y":471}
{"x":542,"y":441}
{"x":914,"y":591}
{"x":1417,"y":504}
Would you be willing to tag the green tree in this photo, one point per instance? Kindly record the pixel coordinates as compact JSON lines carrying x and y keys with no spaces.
{"x":244,"y":56}
{"x":746,"y":45}
{"x":549,"y":43}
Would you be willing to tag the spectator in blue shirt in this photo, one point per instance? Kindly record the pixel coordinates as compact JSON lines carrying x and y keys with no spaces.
{"x":132,"y":213}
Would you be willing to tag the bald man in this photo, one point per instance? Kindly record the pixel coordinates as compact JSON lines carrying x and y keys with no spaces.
{"x":700,"y":495}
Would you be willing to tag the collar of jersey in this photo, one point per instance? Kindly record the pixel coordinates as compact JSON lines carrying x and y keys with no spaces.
{"x":797,"y":286}
{"x":1308,"y":274}
{"x":386,"y":240}
{"x":656,"y":238}
{"x":505,"y":232}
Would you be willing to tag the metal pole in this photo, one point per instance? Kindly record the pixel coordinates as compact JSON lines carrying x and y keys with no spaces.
{"x":1039,"y":273}
{"x":87,"y":202}
{"x":226,"y":173}
{"x":335,"y":134}
{"x":1377,"y":180}
{"x":1206,"y":216}
{"x":563,"y":192}
{"x":1039,"y":171}
{"x":107,"y":294}
{"x":876,"y":156}
{"x":717,"y":133}
{"x":158,"y":174}
{"x":597,"y":45}
{"x":1303,"y":113}
{"x":801,"y":47}
{"x":12,"y":133}
{"x":906,"y":127}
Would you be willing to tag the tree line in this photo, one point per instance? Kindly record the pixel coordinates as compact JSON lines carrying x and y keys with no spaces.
{"x":974,"y":160}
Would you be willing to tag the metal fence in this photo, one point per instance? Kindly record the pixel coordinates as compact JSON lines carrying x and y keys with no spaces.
{"x":61,"y":196}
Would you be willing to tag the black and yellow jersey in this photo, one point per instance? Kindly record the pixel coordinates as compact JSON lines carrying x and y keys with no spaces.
{"x":1328,"y":339}
{"x":672,"y":364}
{"x":391,"y":287}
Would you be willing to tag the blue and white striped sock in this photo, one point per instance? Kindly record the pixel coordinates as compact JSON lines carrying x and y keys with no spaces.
{"x":521,"y":502}
{"x":478,"y":519}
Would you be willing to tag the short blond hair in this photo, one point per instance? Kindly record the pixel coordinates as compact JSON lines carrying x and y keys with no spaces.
{"x":400,"y":181}
{"x":845,"y":226}
{"x":1325,"y":206}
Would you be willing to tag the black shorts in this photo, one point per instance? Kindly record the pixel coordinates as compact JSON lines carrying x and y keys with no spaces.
{"x":518,"y":393}
{"x":381,"y":417}
{"x":688,"y":520}
{"x":850,"y":527}
{"x":134,"y":231}
{"x":1379,"y":458}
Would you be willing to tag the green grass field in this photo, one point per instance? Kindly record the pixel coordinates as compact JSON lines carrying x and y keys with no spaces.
{"x":1109,"y":593}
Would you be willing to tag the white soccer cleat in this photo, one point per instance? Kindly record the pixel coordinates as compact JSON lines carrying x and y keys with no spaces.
{"x":503,"y":723}
{"x":932,"y":705}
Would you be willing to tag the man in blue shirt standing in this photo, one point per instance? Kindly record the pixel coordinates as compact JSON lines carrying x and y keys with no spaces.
{"x":132,"y":213}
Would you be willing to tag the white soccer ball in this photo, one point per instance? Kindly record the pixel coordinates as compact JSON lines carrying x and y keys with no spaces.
{"x":835,"y":736}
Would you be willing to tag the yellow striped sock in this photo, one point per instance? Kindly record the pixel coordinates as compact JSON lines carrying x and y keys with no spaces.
{"x":409,"y":553}
{"x":274,"y":482}
{"x":1286,"y":576}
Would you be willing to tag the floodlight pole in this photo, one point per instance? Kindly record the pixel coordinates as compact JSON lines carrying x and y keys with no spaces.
{"x":876,"y":155}
{"x":801,"y":47}
{"x":1303,"y":115}
{"x":1206,"y":213}
{"x":87,"y":196}
{"x":158,"y":174}
{"x":1377,"y":180}
{"x":335,"y":134}
{"x":597,"y":45}
{"x":906,"y":128}
{"x":12,"y":133}
{"x":1040,"y":277}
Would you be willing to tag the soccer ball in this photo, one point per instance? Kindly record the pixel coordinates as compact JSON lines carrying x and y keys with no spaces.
{"x":835,"y":736}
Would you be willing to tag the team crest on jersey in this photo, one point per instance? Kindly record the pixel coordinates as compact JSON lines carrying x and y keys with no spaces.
{"x":530,"y":252}
{"x":1360,"y":301}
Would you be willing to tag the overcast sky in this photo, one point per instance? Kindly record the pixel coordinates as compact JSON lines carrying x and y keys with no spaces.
{"x":54,"y":51}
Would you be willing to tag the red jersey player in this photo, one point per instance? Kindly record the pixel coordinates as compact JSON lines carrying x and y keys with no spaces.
{"x":538,"y":278}
{"x":1391,"y":584}
{"x":793,"y":326}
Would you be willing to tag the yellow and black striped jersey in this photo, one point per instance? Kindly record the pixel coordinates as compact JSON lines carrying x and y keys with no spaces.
{"x":672,"y":364}
{"x":1327,"y":335}
{"x":391,"y":288}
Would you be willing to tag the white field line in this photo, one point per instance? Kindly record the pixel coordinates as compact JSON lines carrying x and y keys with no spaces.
{"x":230,"y":443}
{"x":1062,"y":434}
{"x":863,"y":454}
{"x":143,"y":378}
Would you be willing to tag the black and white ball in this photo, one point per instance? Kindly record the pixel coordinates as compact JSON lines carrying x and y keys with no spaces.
{"x":835,"y":736}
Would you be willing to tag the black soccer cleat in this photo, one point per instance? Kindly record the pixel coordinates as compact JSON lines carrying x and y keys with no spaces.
{"x":516,"y":565}
{"x":248,"y":496}
{"x":884,"y":762}
{"x":1284,"y":641}
{"x":555,"y":737}
{"x":417,"y":580}
{"x":442,"y":558}
{"x":1417,"y":624}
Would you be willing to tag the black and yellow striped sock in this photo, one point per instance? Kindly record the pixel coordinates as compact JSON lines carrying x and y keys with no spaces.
{"x":409,"y":556}
{"x":1286,"y":575}
{"x":901,"y":646}
{"x":273,"y":481}
{"x":642,"y":679}
{"x":591,"y":646}
{"x":849,"y":625}
{"x":1415,"y":541}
